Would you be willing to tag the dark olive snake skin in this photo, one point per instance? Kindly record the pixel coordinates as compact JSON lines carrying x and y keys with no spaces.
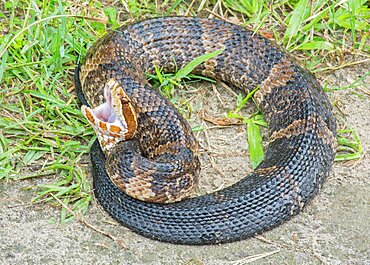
{"x":301,"y":125}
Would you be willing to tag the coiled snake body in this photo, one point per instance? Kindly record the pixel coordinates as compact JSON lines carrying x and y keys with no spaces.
{"x":146,"y":142}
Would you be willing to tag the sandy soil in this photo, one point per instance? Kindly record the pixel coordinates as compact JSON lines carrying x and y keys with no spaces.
{"x":333,"y":229}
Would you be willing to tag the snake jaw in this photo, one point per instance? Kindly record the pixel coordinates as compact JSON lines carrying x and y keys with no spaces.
{"x":115,"y":120}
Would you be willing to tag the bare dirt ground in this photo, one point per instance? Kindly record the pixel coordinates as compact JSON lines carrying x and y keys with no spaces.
{"x":333,"y":229}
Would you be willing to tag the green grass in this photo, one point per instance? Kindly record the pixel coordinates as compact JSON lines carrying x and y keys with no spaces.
{"x":42,"y":132}
{"x":166,"y":83}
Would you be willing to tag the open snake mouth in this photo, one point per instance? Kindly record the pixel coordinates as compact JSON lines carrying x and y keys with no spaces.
{"x":105,"y":112}
{"x":114,"y":120}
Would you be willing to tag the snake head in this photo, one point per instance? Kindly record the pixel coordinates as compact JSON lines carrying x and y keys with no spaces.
{"x":115,"y":120}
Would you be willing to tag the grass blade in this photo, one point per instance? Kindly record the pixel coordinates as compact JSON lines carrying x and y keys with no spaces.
{"x":183,"y":72}
{"x":295,"y":22}
{"x":254,"y":144}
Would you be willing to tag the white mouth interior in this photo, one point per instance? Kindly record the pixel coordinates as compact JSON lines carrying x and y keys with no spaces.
{"x":105,"y":112}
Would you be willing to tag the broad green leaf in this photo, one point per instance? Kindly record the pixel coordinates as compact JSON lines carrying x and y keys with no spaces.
{"x":254,"y":144}
{"x":197,"y":128}
{"x":346,"y":157}
{"x":3,"y":64}
{"x":316,"y":45}
{"x":194,"y":63}
{"x":295,"y":21}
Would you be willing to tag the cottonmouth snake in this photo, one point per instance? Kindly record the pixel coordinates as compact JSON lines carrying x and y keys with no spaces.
{"x":155,"y":144}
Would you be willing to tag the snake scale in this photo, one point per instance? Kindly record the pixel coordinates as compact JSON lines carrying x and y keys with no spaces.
{"x":146,"y":142}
